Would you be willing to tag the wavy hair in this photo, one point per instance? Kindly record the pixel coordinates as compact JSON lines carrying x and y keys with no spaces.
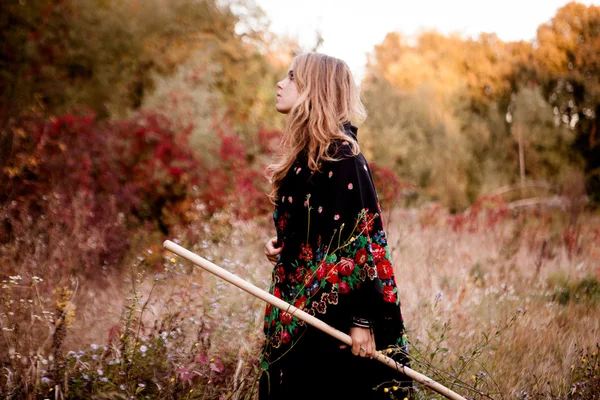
{"x":328,"y":97}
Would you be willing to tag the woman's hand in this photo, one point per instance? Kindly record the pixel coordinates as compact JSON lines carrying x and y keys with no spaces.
{"x":271,"y":251}
{"x":363,"y":342}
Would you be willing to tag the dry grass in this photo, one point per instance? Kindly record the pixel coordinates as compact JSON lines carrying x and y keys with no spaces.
{"x":498,"y":306}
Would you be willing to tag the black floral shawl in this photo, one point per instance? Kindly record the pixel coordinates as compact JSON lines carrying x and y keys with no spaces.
{"x":335,"y":263}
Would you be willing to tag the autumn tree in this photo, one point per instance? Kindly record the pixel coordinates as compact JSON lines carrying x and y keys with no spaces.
{"x":567,"y":64}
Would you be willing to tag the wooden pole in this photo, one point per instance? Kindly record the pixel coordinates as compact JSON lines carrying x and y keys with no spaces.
{"x":309,"y":319}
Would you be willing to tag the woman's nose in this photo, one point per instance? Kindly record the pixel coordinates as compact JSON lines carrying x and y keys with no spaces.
{"x":279,"y":85}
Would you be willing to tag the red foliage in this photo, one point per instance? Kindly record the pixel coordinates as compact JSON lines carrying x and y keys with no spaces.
{"x":487,"y":210}
{"x":235,"y":185}
{"x":76,"y":177}
{"x":388,"y":185}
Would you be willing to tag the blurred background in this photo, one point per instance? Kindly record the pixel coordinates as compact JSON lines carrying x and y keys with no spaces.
{"x":124,"y":123}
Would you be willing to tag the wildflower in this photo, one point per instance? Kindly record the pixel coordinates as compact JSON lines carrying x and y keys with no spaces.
{"x":94,"y":346}
{"x":104,"y":379}
{"x":191,"y":390}
{"x":143,"y":348}
{"x":172,"y":259}
{"x":473,"y":377}
{"x":100,"y":372}
{"x":142,"y":385}
{"x":122,"y":387}
{"x":172,"y":379}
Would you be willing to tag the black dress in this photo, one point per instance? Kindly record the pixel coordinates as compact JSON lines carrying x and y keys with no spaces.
{"x":335,"y":265}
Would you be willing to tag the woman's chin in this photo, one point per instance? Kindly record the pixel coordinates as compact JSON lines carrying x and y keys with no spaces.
{"x":282,"y":110}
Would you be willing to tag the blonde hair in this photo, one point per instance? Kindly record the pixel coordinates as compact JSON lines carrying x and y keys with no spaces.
{"x":327,"y":98}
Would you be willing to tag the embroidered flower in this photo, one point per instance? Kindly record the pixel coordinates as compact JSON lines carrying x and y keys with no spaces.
{"x":306,"y":252}
{"x":346,"y":266}
{"x":362,"y":274}
{"x":321,"y":271}
{"x":332,"y":298}
{"x":320,"y":306}
{"x":378,"y":252}
{"x":298,"y":170}
{"x":290,"y":199}
{"x":285,"y":337}
{"x":301,"y":302}
{"x":336,"y":217}
{"x":308,"y":278}
{"x":371,"y":273}
{"x":330,"y":174}
{"x":389,"y":294}
{"x":286,"y":318}
{"x":320,"y":209}
{"x":350,"y":186}
{"x":343,"y":288}
{"x":384,"y":269}
{"x":332,"y":273}
{"x":366,"y":224}
{"x":361,"y":257}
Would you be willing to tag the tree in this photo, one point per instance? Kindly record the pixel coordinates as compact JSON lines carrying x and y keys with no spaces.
{"x":567,"y":65}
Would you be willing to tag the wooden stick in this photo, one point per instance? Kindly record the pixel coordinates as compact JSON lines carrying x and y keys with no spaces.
{"x":309,"y":319}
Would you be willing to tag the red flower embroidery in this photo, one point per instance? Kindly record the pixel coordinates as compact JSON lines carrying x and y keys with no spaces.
{"x":285,"y":337}
{"x":277,"y":292}
{"x":286,"y":318}
{"x":279,"y":274}
{"x":378,"y":252}
{"x":308,"y":278}
{"x":299,"y":274}
{"x":306,"y":252}
{"x":384,"y":269}
{"x":321,"y":271}
{"x":346,"y":266}
{"x":389,"y":295}
{"x":301,"y":302}
{"x":366,"y":223}
{"x":332,"y":274}
{"x":343,"y":288}
{"x":361,"y":257}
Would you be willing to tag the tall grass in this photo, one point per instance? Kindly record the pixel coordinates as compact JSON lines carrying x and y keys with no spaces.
{"x":502,"y":308}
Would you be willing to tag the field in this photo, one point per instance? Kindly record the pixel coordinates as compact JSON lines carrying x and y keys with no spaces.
{"x":497,"y":303}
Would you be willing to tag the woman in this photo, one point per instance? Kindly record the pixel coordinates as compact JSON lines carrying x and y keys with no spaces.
{"x":330,"y":254}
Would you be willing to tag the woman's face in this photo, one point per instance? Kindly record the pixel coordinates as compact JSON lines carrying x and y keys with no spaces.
{"x":287,"y":93}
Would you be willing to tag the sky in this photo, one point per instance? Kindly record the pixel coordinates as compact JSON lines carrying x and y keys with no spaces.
{"x":352,"y":28}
